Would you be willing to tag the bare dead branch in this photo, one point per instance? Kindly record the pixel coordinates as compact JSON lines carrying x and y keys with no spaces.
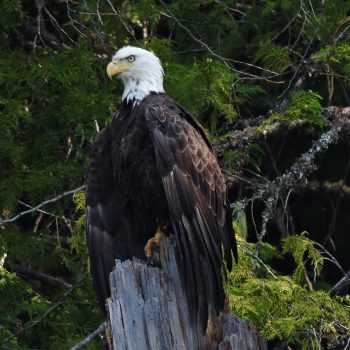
{"x":338,"y":187}
{"x":67,"y":221}
{"x":240,"y":139}
{"x":344,"y":33}
{"x":271,"y":192}
{"x":38,"y":20}
{"x":40,"y":276}
{"x":304,"y":166}
{"x":73,"y":21}
{"x":33,"y":209}
{"x":91,"y":336}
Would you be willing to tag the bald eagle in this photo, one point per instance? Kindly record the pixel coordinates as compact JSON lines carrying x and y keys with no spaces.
{"x":153,"y":172}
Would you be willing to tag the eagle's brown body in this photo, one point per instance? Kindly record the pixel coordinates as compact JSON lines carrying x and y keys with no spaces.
{"x":154,"y":167}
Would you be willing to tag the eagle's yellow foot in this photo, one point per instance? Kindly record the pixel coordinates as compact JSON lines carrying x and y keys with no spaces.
{"x":153,"y":245}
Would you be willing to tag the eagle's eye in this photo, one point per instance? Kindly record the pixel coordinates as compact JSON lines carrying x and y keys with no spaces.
{"x":131,"y":58}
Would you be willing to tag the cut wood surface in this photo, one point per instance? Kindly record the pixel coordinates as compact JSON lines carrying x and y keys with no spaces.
{"x":148,"y":311}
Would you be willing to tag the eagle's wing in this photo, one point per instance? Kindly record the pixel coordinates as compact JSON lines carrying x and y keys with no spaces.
{"x":197,"y":197}
{"x":106,"y":221}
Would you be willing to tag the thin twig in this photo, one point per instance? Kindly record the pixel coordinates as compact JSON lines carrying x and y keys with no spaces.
{"x":243,"y":14}
{"x":224,"y":59}
{"x":123,"y":22}
{"x":288,"y":24}
{"x":332,"y":259}
{"x":259,"y":261}
{"x":56,"y":24}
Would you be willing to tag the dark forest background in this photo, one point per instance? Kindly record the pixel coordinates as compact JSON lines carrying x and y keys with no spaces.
{"x":270,"y":82}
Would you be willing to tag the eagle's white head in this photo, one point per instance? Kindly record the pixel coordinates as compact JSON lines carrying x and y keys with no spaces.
{"x":139,"y":69}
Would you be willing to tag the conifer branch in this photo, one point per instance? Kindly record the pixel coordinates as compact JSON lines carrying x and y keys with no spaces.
{"x":52,"y":200}
{"x":55,"y":306}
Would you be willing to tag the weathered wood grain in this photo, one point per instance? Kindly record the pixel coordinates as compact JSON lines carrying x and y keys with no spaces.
{"x":148,"y":311}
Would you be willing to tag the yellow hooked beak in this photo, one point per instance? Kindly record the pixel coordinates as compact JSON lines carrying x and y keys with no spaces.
{"x":116,"y":67}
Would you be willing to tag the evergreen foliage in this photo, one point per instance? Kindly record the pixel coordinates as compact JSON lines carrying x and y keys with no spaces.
{"x":230,"y":63}
{"x":305,"y":105}
{"x":281,"y":305}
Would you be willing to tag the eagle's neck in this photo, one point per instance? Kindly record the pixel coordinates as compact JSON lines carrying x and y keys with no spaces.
{"x":137,"y":88}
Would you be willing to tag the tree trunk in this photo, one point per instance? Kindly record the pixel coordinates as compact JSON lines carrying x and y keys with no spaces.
{"x":148,"y":310}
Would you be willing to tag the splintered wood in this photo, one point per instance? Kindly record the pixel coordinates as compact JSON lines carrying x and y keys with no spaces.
{"x":148,"y":311}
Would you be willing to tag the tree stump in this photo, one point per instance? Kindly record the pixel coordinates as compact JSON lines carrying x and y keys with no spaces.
{"x":148,"y":311}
